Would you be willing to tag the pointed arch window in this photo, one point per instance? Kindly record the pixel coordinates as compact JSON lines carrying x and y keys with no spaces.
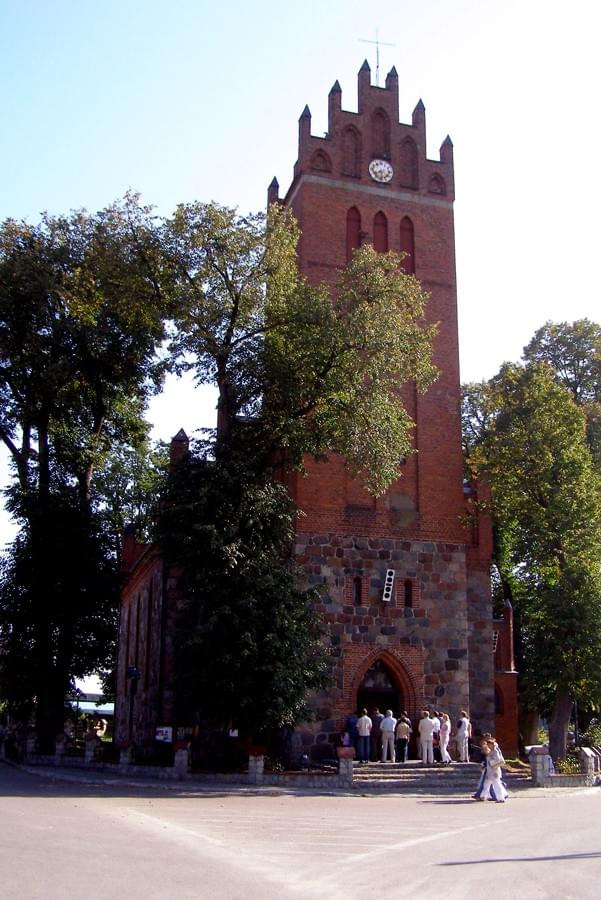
{"x":408,"y":172}
{"x":353,"y":231}
{"x":380,"y":233}
{"x":351,"y":152}
{"x":407,"y":244}
{"x":380,"y":135}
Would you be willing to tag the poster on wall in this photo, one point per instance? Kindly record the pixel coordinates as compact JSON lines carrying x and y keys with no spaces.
{"x":164,"y":734}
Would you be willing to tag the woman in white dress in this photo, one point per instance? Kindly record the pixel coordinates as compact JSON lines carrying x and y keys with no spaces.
{"x":464,"y":733}
{"x":445,"y":735}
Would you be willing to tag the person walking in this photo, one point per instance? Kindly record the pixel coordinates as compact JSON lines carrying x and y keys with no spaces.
{"x":387,"y":729}
{"x":402,"y":733}
{"x":376,"y":719}
{"x":364,"y":726}
{"x":426,"y":731}
{"x":493,"y":773}
{"x":464,"y":733}
{"x":445,"y":736}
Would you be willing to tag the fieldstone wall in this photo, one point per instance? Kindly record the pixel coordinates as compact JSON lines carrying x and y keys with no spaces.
{"x":421,"y":635}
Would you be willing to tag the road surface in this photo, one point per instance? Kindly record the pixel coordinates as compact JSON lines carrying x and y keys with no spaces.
{"x":72,"y":840}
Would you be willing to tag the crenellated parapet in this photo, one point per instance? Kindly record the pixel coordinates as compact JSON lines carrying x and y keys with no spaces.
{"x":371,"y":147}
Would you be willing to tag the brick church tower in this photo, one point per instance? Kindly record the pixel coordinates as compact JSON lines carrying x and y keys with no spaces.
{"x":369,"y":181}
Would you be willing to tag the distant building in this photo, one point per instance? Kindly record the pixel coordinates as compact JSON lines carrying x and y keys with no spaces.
{"x":406,"y":582}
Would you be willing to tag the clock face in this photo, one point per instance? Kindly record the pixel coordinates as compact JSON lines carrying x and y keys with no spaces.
{"x":381,"y":170}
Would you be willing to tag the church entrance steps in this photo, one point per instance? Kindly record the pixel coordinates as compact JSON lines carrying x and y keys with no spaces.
{"x":414,"y":776}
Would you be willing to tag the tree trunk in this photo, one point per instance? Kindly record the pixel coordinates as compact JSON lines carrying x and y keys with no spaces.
{"x":559,"y":723}
{"x":529,"y":723}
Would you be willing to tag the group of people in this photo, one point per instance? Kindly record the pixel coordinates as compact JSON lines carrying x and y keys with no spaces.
{"x":379,"y":737}
{"x":382,"y":737}
{"x":434,"y":734}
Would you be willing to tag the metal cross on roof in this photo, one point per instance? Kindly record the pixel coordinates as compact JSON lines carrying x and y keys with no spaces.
{"x":378,"y":44}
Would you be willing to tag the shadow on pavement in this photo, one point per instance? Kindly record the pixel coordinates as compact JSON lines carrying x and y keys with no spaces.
{"x":593,"y":854}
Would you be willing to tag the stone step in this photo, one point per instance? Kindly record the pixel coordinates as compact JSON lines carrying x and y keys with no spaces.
{"x":414,"y":776}
{"x":414,"y":766}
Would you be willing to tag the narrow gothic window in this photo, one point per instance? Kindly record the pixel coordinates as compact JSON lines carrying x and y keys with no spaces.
{"x":357,"y":591}
{"x":408,"y":593}
{"x":408,"y":173}
{"x":408,"y":245}
{"x":380,"y":135}
{"x":380,"y":233}
{"x":353,"y":231}
{"x":351,"y":152}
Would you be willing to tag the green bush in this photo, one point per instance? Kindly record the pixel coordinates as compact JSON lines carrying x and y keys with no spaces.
{"x":569,"y":765}
{"x":592,"y":735}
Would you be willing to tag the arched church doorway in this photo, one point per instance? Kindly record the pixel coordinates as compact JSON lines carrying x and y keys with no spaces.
{"x":380,"y":689}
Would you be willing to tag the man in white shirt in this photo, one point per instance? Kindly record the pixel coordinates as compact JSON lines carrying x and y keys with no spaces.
{"x":387,"y":728}
{"x":426,"y":731}
{"x":363,"y":732}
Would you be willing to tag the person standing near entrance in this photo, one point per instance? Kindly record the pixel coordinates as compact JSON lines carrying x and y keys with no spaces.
{"x":376,"y":718}
{"x":462,"y":738}
{"x":364,"y":726}
{"x":387,"y":728}
{"x":445,"y":735}
{"x":403,"y":733}
{"x":426,"y":732}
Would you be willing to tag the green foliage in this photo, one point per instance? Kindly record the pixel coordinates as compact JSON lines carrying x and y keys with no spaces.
{"x":592,"y":736}
{"x":248,"y":643}
{"x":58,"y":614}
{"x":299,"y":369}
{"x":567,"y":765}
{"x":126,"y":491}
{"x":573,"y":351}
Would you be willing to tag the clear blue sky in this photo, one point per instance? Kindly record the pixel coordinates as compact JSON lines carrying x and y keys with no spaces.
{"x":200,"y":100}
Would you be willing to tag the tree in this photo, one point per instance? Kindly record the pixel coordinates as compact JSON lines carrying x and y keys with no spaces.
{"x":249,"y":648}
{"x":81,"y":316}
{"x":546,"y":504}
{"x":300,"y":369}
{"x":573,"y":351}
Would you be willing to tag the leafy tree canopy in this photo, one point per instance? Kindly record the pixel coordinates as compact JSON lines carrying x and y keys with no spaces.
{"x":573,"y":350}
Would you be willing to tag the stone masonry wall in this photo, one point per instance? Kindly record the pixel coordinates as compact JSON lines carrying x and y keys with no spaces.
{"x":424,"y":646}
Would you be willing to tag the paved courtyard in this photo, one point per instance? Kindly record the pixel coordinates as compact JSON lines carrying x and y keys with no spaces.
{"x":72,"y":839}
